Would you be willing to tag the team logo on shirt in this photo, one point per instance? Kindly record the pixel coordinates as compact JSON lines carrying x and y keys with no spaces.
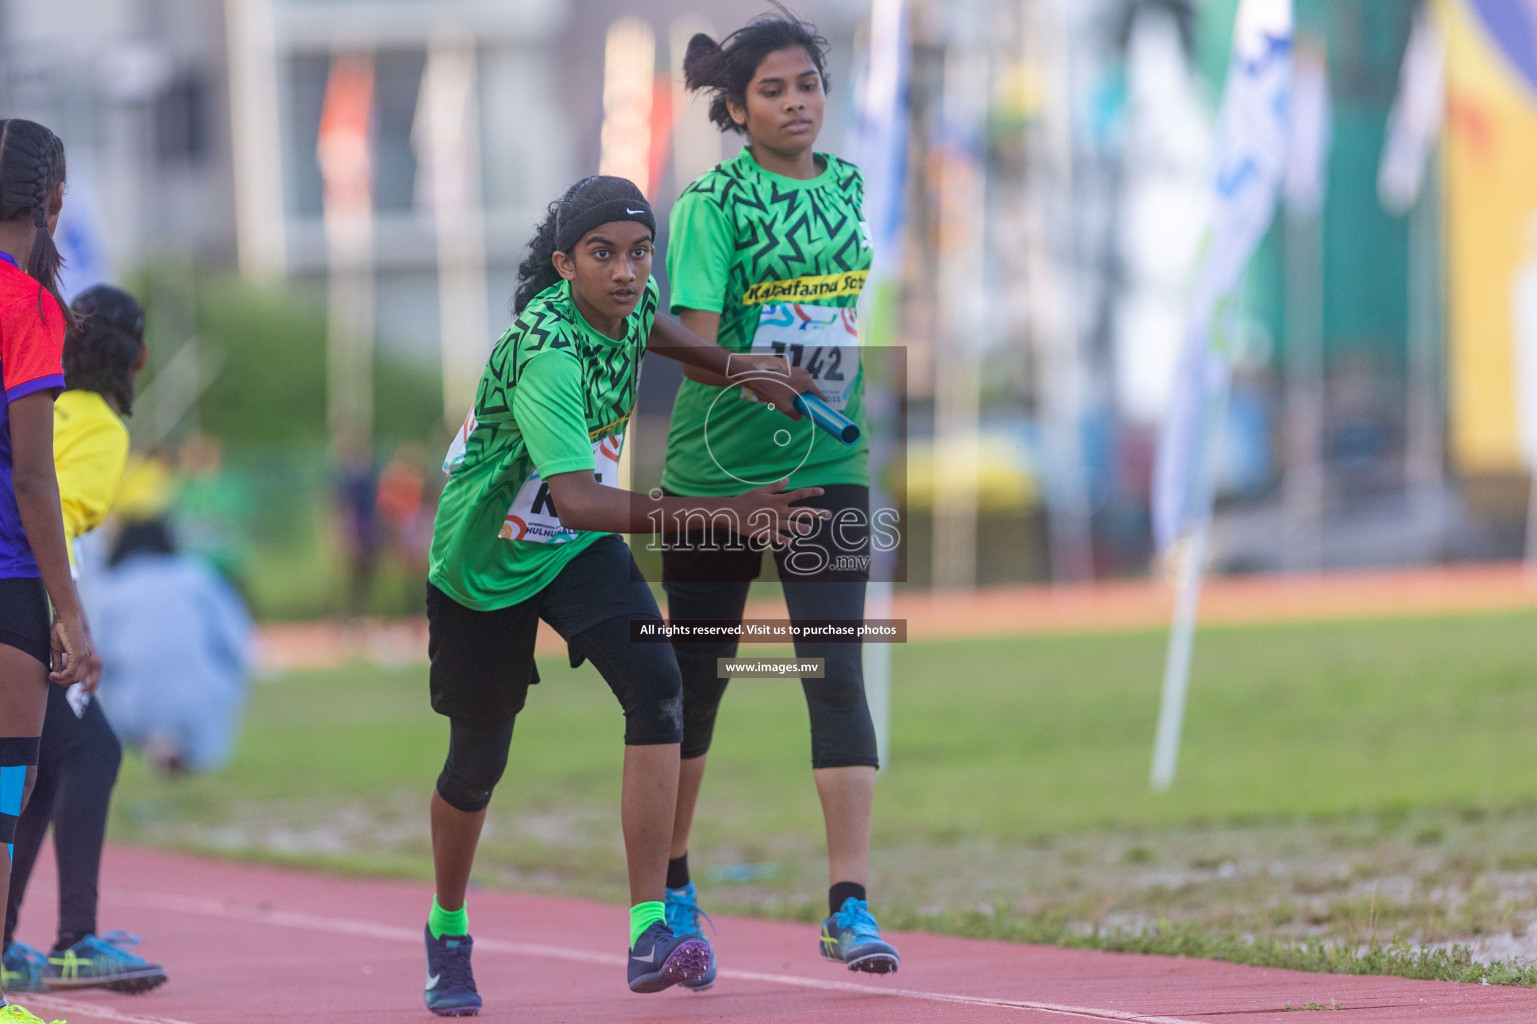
{"x":806,"y":289}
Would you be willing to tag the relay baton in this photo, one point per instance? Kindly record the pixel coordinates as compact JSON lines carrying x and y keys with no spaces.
{"x":828,"y":418}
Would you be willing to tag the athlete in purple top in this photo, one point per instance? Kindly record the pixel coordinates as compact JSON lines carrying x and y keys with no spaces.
{"x":34,"y":563}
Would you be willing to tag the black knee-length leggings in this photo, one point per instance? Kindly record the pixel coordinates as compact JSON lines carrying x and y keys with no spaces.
{"x":76,"y":770}
{"x":713,"y":584}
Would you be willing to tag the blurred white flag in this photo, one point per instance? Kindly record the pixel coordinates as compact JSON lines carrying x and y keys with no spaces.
{"x":1417,"y":116}
{"x":445,"y":135}
{"x":1253,"y":132}
{"x":880,"y":133}
{"x":1312,"y":133}
{"x":80,"y":236}
{"x":446,"y":139}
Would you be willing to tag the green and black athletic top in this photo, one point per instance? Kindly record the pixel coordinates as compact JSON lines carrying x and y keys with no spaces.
{"x":783,"y":262}
{"x":555,"y":397}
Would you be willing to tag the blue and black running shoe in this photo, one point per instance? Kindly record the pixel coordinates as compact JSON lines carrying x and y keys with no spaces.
{"x":852,"y":937}
{"x":659,"y":959}
{"x":101,"y":962}
{"x":22,"y":969}
{"x":450,"y":982}
{"x":683,"y":914}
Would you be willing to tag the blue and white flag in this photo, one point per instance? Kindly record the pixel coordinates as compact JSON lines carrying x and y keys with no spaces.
{"x":1253,"y":132}
{"x":80,"y":237}
{"x":1418,"y":113}
{"x":880,"y":135}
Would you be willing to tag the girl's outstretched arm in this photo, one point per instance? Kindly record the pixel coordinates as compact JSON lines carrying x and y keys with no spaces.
{"x":769,"y":377}
{"x":763,"y":513}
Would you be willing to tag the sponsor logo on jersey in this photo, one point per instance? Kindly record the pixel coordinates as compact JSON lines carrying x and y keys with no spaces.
{"x":806,"y":289}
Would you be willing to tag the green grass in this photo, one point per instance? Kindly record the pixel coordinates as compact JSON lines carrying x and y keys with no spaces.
{"x":1413,"y":734}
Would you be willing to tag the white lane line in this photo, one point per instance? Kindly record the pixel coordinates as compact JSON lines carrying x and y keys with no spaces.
{"x":368,"y":929}
{"x":58,"y":1004}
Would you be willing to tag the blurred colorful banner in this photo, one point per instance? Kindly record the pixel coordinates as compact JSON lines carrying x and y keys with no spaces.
{"x":1253,"y":132}
{"x":1491,"y":200}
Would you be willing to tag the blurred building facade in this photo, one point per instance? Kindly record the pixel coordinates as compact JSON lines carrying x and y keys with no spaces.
{"x":1062,"y":146}
{"x":197,"y":121}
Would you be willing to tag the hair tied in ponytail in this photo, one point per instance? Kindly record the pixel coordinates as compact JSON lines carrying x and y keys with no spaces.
{"x":726,"y":69}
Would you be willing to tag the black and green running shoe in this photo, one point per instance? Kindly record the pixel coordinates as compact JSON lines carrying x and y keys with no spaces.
{"x":95,"y":962}
{"x":22,"y":969}
{"x":852,"y":937}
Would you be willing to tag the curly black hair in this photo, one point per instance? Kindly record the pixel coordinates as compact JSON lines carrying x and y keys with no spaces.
{"x":102,"y":348}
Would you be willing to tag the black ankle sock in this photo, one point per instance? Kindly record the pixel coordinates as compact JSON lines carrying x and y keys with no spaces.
{"x":66,"y":940}
{"x":842,"y":891}
{"x":677,"y":872}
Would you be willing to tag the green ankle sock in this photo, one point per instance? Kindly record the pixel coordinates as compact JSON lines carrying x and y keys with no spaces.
{"x":449,"y":922}
{"x":643,"y":916}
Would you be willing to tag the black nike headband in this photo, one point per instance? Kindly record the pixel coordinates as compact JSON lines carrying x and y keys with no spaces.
{"x":569,"y":232}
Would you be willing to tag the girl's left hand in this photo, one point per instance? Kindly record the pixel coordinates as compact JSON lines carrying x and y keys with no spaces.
{"x":74,"y":653}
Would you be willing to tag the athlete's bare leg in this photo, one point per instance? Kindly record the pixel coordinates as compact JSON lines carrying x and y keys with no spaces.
{"x":455,"y":834}
{"x":847,"y":794}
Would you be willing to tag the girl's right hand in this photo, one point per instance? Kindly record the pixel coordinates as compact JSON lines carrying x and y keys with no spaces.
{"x":74,"y":654}
{"x":770,"y":516}
{"x":773,"y":380}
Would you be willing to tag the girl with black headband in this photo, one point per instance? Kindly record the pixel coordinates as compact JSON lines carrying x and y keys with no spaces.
{"x":768,"y":253}
{"x":525,"y":530}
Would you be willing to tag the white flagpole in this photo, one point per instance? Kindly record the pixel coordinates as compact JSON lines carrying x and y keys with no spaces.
{"x":1307,"y":175}
{"x":1187,"y":602}
{"x":1252,"y":144}
{"x":883,"y":140}
{"x":1176,"y":668}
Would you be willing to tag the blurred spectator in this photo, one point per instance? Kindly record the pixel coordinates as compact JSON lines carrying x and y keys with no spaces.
{"x":176,"y":644}
{"x":148,"y":490}
{"x":357,"y":527}
{"x":404,"y":508}
{"x":212,"y":507}
{"x":1365,"y":425}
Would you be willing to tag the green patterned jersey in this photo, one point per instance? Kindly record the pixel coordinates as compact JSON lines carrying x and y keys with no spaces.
{"x":783,"y":262}
{"x":554,"y":398}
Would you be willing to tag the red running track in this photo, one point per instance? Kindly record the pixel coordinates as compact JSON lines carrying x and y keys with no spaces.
{"x":260,"y":945}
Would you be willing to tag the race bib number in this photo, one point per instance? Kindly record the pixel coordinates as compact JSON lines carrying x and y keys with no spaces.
{"x":533,"y":517}
{"x":824,"y":340}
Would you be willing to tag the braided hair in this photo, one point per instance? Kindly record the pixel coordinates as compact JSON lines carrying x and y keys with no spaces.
{"x":727,"y":68}
{"x":31,"y":167}
{"x":592,"y":201}
{"x":102,"y":348}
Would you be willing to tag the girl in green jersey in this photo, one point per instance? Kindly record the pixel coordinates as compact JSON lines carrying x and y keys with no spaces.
{"x":769,"y":252}
{"x":525,"y":530}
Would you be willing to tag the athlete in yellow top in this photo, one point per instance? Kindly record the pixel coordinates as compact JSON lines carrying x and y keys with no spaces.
{"x":80,"y":754}
{"x":90,"y":449}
